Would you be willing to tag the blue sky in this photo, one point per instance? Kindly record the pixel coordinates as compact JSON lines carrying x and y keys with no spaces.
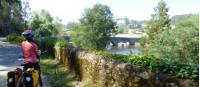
{"x":72,"y":10}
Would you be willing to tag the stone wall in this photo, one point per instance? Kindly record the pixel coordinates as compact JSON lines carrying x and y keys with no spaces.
{"x":110,"y":72}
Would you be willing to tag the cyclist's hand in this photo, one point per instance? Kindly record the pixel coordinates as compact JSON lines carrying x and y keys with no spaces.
{"x":38,"y":60}
{"x":39,"y":52}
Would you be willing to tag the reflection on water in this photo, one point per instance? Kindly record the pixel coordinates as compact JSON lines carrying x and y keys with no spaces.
{"x":125,"y":51}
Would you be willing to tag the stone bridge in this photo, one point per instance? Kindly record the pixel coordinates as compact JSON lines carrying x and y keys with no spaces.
{"x":130,"y":41}
{"x":126,"y":39}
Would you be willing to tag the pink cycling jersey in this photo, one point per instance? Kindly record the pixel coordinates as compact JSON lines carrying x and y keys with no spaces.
{"x":29,"y":51}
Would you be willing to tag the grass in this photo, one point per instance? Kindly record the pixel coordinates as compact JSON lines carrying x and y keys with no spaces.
{"x":88,"y":85}
{"x":57,"y":74}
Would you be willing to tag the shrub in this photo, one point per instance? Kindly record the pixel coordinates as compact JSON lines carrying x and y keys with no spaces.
{"x":109,"y":55}
{"x":182,"y":70}
{"x":148,"y":62}
{"x":182,"y":42}
{"x":170,"y":66}
{"x":14,"y":38}
{"x":63,"y":44}
{"x":46,"y":44}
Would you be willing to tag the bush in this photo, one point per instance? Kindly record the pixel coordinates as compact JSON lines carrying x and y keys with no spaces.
{"x":63,"y":44}
{"x":143,"y":41}
{"x":182,"y":70}
{"x":159,"y":65}
{"x":182,"y":42}
{"x":14,"y":38}
{"x":148,"y":62}
{"x":116,"y":56}
{"x":46,"y":44}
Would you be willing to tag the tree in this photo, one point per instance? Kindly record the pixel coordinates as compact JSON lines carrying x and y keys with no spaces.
{"x":160,"y":20}
{"x":95,"y":28}
{"x":43,"y":24}
{"x":26,"y":10}
{"x":11,"y":16}
{"x":182,"y":42}
{"x":58,"y":26}
{"x":127,"y":21}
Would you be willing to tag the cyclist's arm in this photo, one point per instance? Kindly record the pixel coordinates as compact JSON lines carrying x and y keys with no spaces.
{"x":22,"y":48}
{"x":36,"y":51}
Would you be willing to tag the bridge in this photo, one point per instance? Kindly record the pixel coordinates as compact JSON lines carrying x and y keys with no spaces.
{"x":128,"y":39}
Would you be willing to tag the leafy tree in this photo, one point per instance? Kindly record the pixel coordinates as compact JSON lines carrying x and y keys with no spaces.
{"x":135,"y":24}
{"x":182,"y":42}
{"x":58,"y":26}
{"x":11,"y":16}
{"x":95,"y":28}
{"x":159,"y":22}
{"x":127,"y":22}
{"x":43,"y":24}
{"x":122,"y":28}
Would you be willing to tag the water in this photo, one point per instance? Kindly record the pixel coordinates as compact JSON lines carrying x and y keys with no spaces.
{"x":124,"y":51}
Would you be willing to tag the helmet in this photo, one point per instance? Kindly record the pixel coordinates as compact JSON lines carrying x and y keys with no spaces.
{"x":27,"y":33}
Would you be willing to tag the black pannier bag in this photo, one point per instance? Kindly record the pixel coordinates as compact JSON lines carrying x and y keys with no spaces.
{"x":11,"y":79}
{"x":28,"y":79}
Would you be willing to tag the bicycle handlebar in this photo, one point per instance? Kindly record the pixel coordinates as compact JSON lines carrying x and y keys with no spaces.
{"x":23,"y":64}
{"x":20,"y":57}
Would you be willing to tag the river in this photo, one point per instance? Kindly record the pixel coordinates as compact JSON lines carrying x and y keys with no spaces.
{"x":125,"y":50}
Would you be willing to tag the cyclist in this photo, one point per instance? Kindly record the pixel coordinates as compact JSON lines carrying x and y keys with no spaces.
{"x":30,"y":52}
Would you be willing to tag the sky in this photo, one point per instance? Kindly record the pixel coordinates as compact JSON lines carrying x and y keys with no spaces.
{"x":72,"y":10}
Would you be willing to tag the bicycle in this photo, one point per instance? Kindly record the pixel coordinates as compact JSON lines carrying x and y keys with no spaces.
{"x":29,"y":76}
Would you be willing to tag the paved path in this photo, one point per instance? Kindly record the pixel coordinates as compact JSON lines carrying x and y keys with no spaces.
{"x":9,"y":60}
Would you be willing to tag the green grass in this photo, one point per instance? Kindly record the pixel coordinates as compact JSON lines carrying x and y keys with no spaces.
{"x":57,"y":75}
{"x":88,"y":85}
